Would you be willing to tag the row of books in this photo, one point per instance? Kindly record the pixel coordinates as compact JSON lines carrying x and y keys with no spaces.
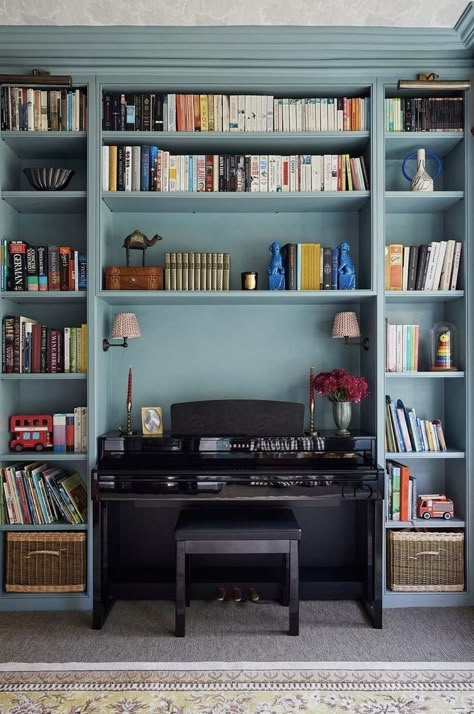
{"x":404,"y":431}
{"x":197,"y":271}
{"x":41,"y":268}
{"x":431,"y":266}
{"x":310,"y":266}
{"x":30,"y":347}
{"x":147,"y":168}
{"x":32,"y":109}
{"x":424,"y":114}
{"x":70,"y":431}
{"x":401,"y":347}
{"x":235,"y":112}
{"x":400,"y":493}
{"x":38,"y":494}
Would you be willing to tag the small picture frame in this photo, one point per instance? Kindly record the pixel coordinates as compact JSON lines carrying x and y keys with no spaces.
{"x":152,"y":421}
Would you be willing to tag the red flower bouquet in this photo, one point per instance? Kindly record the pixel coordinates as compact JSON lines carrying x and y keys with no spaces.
{"x":340,"y":386}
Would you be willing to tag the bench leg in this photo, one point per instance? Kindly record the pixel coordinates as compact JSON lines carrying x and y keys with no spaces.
{"x":180,"y":596}
{"x":284,"y":598}
{"x":294,"y":588}
{"x":188,"y":580}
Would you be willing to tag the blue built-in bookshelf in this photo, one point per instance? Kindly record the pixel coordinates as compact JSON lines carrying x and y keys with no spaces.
{"x":246,"y":344}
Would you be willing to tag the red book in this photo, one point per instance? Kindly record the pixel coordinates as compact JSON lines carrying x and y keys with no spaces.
{"x":69,"y":432}
{"x":209,"y":172}
{"x":404,"y":491}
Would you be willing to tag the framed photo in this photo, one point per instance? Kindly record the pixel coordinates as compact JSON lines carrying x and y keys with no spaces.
{"x":152,"y":421}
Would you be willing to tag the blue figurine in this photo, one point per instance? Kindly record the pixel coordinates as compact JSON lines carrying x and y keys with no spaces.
{"x":345,"y":268}
{"x":275,"y":269}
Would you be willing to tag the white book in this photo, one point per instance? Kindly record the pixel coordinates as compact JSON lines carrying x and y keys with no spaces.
{"x":299,"y":114}
{"x":316,"y":173}
{"x":431,"y":266}
{"x":391,"y":348}
{"x":128,"y":167}
{"x":269,"y":113}
{"x":276,"y":115}
{"x":286,"y":114}
{"x":447,"y":268}
{"x":278,"y":172}
{"x":217,"y":112}
{"x":225,"y":112}
{"x":171,"y":112}
{"x":254,"y":173}
{"x":272,"y":174}
{"x":293,"y":185}
{"x":248,"y":113}
{"x":136,"y":167}
{"x":399,"y":348}
{"x":105,"y":168}
{"x":406,"y":260}
{"x":334,"y":162}
{"x":165,"y":171}
{"x":234,"y":113}
{"x":292,"y":114}
{"x":280,"y":114}
{"x":326,"y":184}
{"x":241,"y":112}
{"x":456,"y":263}
{"x":324,"y":113}
{"x":317,"y":114}
{"x":439,"y":264}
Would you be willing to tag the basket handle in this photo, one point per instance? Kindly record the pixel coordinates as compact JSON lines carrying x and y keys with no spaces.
{"x":44,"y":552}
{"x":425,"y":552}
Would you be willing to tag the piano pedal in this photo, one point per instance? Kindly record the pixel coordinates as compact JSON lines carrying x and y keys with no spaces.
{"x":253,"y":595}
{"x":237,"y":594}
{"x":220,"y":597}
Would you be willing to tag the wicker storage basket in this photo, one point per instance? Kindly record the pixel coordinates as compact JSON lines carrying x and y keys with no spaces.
{"x":426,"y":562}
{"x":46,"y":562}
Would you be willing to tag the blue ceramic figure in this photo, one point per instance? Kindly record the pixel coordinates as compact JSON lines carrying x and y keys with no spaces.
{"x":275,"y":269}
{"x":345,"y":268}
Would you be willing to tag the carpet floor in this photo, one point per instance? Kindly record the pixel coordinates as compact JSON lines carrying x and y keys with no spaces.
{"x":263,"y":691}
{"x":330,"y":631}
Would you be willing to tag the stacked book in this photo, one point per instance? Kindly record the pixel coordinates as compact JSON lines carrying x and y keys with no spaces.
{"x":37,"y":494}
{"x":400,"y":492}
{"x":41,"y":268}
{"x":424,"y":114}
{"x":401,"y":347}
{"x":431,"y":266}
{"x":197,"y":271}
{"x":234,"y":112}
{"x":30,"y":347}
{"x":405,"y":432}
{"x":70,"y":431}
{"x":148,"y":168}
{"x":33,"y":109}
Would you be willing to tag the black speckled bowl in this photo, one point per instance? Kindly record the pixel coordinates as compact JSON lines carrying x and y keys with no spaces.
{"x":48,"y":179}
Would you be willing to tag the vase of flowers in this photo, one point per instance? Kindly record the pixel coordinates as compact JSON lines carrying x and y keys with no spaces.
{"x":343,"y":390}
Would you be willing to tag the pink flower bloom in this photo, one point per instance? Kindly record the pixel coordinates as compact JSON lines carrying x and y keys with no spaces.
{"x":340,"y":386}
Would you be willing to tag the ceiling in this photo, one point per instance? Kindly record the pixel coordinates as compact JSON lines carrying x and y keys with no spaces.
{"x":387,"y":13}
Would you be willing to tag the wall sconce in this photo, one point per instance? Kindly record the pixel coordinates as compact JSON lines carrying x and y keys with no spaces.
{"x":431,"y":81}
{"x":125,"y":327}
{"x":346,"y":325}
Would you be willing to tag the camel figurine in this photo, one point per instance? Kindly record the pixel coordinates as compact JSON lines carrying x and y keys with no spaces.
{"x":138,"y":241}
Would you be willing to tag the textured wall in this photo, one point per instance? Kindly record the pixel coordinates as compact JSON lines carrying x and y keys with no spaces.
{"x":398,"y":13}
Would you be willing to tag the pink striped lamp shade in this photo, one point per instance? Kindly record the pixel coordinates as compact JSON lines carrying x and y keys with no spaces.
{"x":346,"y":324}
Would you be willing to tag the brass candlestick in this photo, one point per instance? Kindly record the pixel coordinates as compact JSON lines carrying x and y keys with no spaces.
{"x":128,"y":430}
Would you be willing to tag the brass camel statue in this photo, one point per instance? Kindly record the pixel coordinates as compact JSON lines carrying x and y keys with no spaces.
{"x":138,"y":241}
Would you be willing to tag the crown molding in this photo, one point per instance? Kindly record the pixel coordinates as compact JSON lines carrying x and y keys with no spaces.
{"x":465,"y":27}
{"x":95,"y":49}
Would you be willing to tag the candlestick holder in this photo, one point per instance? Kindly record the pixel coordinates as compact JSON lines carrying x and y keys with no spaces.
{"x":127,"y":431}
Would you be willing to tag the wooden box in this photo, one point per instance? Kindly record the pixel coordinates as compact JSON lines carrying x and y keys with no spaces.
{"x":120,"y":278}
{"x":426,"y":562}
{"x":45,"y":562}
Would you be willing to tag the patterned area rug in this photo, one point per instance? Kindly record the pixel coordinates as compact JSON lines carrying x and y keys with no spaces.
{"x":226,"y":689}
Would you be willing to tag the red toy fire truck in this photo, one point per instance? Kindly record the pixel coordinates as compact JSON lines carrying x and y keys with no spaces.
{"x":435,"y":505}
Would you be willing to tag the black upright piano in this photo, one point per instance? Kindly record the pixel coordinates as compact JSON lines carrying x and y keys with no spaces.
{"x":331,"y":482}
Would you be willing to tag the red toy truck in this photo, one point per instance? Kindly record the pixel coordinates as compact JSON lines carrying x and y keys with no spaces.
{"x":435,"y":505}
{"x":31,"y":431}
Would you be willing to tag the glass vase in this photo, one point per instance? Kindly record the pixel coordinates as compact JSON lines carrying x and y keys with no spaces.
{"x":342,"y":412}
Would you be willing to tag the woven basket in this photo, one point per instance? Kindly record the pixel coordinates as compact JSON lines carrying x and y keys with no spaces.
{"x":46,"y":562}
{"x":426,"y":562}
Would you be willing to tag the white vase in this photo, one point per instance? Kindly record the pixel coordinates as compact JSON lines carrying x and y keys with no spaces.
{"x":421,"y":181}
{"x":342,"y":412}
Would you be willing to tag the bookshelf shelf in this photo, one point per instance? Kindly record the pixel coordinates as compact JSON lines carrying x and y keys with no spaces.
{"x":46,"y":201}
{"x":399,"y":144}
{"x":54,"y":377}
{"x":394,"y":296}
{"x":50,"y":297}
{"x":433,"y":523}
{"x":45,"y":456}
{"x":419,"y":202}
{"x":424,"y":375}
{"x":244,"y":202}
{"x":233,"y":297}
{"x":449,"y":454}
{"x":46,"y":144}
{"x":250,"y":142}
{"x":46,"y":527}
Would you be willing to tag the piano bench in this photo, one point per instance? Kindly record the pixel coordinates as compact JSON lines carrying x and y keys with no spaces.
{"x":233,"y":532}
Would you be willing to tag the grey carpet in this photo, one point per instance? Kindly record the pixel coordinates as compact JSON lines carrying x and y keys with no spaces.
{"x":329,"y":631}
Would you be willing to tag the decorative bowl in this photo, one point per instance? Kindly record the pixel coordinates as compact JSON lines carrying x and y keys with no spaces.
{"x":45,"y":179}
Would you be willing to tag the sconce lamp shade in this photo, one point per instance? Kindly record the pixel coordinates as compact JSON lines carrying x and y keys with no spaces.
{"x":346,"y":324}
{"x":126,"y":325}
